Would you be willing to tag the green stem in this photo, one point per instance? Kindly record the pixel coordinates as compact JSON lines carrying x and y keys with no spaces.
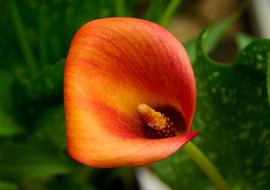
{"x":205,"y":164}
{"x":120,"y":7}
{"x":154,"y":10}
{"x":28,"y":54}
{"x":169,"y":11}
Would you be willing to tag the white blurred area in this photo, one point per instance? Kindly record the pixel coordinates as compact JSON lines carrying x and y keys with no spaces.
{"x":260,"y":16}
{"x":148,"y":181}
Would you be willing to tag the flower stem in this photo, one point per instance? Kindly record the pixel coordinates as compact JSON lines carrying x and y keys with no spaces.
{"x":28,"y":54}
{"x":205,"y":164}
{"x":169,"y":11}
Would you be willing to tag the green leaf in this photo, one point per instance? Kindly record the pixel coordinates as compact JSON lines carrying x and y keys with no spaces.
{"x":154,"y":11}
{"x":5,"y":91}
{"x":169,"y":11}
{"x":233,"y":118}
{"x":8,"y":125}
{"x":50,"y":129}
{"x":22,"y":37}
{"x":180,"y":172}
{"x":242,"y":40}
{"x":7,"y":186}
{"x":47,"y":85}
{"x":20,"y":161}
{"x":216,"y":32}
{"x":254,"y":55}
{"x":69,"y":185}
{"x":190,"y":47}
{"x":41,"y":31}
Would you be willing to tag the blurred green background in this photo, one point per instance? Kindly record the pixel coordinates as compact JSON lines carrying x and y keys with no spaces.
{"x":232,"y":115}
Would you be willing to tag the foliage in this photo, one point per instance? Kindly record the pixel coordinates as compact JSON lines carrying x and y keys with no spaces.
{"x":233,"y":118}
{"x":232,"y":112}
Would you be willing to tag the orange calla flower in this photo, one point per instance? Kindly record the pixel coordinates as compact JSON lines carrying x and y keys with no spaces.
{"x":129,"y":93}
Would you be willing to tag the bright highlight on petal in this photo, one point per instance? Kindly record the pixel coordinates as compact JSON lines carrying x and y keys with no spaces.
{"x":129,"y":93}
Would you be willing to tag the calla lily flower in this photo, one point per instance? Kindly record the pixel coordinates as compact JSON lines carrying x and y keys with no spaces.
{"x":129,"y":94}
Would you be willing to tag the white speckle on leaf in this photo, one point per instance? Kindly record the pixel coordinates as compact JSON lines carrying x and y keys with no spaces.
{"x":215,"y":74}
{"x":259,"y":57}
{"x":213,"y":90}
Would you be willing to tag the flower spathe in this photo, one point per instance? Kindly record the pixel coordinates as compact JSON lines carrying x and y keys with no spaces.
{"x":114,"y":66}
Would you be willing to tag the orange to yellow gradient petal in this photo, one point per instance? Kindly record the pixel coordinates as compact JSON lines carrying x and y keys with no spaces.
{"x":129,"y":94}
